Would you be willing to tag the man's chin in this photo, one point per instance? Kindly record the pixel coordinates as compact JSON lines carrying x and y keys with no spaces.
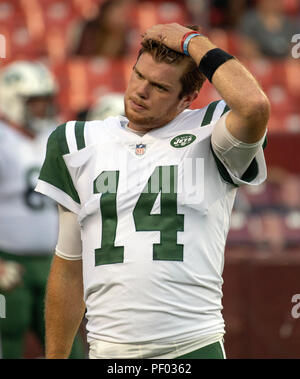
{"x":138,"y":119}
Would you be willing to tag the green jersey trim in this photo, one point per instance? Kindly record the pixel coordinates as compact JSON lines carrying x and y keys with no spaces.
{"x":265,"y":143}
{"x":210,"y":112}
{"x":79,"y":134}
{"x":222,"y":169}
{"x":252,"y":171}
{"x":249,"y":175}
{"x":61,"y":137}
{"x":54,"y":170}
{"x":226,"y":109}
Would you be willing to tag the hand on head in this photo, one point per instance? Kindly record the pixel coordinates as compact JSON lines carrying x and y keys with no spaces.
{"x":168,"y":34}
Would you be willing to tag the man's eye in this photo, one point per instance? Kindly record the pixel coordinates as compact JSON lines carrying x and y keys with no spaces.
{"x":160,"y":88}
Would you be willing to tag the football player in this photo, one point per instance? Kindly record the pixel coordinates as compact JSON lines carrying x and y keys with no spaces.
{"x":108,"y":105}
{"x":145,"y":204}
{"x":28,"y":220}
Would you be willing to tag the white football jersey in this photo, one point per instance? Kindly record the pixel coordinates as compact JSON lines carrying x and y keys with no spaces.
{"x":154,"y":212}
{"x":28,"y":220}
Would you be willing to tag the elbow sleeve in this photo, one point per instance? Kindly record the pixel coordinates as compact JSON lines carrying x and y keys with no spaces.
{"x":69,"y":245}
{"x":234,"y":154}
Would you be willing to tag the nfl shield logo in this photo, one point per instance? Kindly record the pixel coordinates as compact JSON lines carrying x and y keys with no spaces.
{"x":140,"y":149}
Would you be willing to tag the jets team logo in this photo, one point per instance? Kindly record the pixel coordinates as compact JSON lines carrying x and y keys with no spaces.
{"x":183,"y":140}
{"x":140,"y":149}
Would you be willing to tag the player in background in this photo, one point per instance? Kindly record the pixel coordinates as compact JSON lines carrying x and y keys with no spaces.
{"x":108,"y":105}
{"x":145,"y":203}
{"x":28,"y":221}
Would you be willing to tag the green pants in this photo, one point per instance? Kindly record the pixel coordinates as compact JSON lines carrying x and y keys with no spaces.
{"x":213,"y":351}
{"x":25,"y":307}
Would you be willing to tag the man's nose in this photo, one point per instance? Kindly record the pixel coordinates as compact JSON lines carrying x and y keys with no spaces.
{"x":143,"y":90}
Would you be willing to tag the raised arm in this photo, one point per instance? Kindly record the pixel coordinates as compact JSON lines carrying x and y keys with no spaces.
{"x":249,"y":105}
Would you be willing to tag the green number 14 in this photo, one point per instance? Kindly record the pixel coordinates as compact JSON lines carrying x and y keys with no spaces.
{"x":168,"y":222}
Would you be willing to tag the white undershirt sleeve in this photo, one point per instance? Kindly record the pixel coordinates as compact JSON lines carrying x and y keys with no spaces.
{"x":69,"y":245}
{"x":234,"y":154}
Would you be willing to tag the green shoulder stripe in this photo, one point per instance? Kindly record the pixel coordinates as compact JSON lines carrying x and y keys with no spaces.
{"x":226,"y":109}
{"x":209,"y":113}
{"x":79,"y":134}
{"x":54,"y":170}
{"x":61,"y":137}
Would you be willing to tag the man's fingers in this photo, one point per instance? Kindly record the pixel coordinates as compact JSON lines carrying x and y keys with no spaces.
{"x":168,"y":34}
{"x":155,"y":32}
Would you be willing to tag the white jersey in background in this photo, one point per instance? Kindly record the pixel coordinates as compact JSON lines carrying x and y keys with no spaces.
{"x":28,"y":221}
{"x":154,"y":213}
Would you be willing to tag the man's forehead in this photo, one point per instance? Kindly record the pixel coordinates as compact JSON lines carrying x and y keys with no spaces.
{"x":163,"y":72}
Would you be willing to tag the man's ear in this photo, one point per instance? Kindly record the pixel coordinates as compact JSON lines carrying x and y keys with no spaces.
{"x":187,"y":100}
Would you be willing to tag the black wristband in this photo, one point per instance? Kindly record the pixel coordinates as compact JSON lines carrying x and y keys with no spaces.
{"x":212,"y":60}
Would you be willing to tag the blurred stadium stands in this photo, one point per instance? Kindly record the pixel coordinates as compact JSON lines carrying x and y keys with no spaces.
{"x":264,"y":240}
{"x":43,"y":29}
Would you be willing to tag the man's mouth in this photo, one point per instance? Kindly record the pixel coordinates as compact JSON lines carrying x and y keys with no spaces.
{"x":137,"y":105}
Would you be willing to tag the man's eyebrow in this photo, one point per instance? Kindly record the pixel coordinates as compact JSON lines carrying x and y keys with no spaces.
{"x":135,"y":69}
{"x":163,"y":85}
